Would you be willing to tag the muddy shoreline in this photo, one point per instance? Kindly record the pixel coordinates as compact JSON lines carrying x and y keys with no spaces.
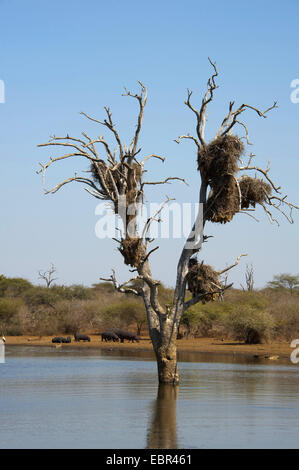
{"x":197,"y":345}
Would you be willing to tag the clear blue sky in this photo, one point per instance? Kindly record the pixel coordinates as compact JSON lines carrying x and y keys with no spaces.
{"x":61,"y":57}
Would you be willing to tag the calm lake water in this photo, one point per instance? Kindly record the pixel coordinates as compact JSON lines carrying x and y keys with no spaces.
{"x":67,"y":398}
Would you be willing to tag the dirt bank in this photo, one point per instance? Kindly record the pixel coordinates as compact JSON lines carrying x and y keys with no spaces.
{"x":198,"y":345}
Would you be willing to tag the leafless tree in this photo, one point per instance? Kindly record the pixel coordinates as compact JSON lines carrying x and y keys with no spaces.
{"x":249,"y":278}
{"x":47,"y":276}
{"x":119,"y":177}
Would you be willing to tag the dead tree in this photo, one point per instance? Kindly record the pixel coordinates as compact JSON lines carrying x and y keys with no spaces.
{"x":249,"y":278}
{"x":119,"y":178}
{"x":47,"y":276}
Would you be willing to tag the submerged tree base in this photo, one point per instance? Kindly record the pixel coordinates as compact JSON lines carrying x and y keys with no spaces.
{"x":167,"y":365}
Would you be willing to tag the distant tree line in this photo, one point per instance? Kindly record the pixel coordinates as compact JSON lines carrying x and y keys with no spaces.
{"x":250,"y":316}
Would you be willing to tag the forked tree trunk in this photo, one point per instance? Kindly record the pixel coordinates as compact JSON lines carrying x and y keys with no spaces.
{"x":163,"y":325}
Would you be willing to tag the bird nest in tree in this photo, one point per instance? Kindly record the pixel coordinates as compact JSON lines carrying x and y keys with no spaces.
{"x":107,"y":177}
{"x":218,"y":163}
{"x":224,"y":200}
{"x":202,"y":279}
{"x":220,"y":157}
{"x":122,"y":178}
{"x":254,"y":191}
{"x":132,"y":250}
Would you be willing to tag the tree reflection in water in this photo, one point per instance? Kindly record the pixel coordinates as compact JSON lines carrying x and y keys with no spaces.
{"x":162,"y":432}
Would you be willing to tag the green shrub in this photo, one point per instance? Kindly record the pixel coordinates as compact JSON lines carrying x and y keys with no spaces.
{"x":250,"y":325}
{"x":285,"y":310}
{"x":103,"y":287}
{"x":14,"y":330}
{"x":37,"y":296}
{"x":205,"y":320}
{"x":73,"y":292}
{"x":129,"y":311}
{"x":9,"y":309}
{"x":13,"y":287}
{"x":73,"y":316}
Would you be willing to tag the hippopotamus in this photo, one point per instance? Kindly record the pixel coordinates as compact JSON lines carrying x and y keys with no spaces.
{"x":109,"y":335}
{"x":67,"y":340}
{"x":126,"y":335}
{"x":79,"y":337}
{"x":60,"y":339}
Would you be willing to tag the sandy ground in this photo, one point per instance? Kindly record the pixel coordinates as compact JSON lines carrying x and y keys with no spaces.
{"x":198,"y":345}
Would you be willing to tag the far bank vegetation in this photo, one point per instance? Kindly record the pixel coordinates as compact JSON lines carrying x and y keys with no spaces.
{"x":250,"y":316}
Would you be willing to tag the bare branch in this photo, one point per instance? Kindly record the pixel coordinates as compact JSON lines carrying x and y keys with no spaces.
{"x":121,"y":287}
{"x":269,"y":215}
{"x":201,"y":114}
{"x":100,"y":139}
{"x":226,"y":119}
{"x":239,"y":189}
{"x":98,"y":195}
{"x":109,"y":124}
{"x":165,"y":181}
{"x":152,"y":156}
{"x":78,"y":179}
{"x":80,"y":152}
{"x":211,"y":85}
{"x":247,"y":213}
{"x":232,"y":266}
{"x":260,"y":170}
{"x":246,"y":131}
{"x":142,"y":102}
{"x":279,"y":203}
{"x":231,"y":119}
{"x":154,"y":218}
{"x":149,"y":253}
{"x":188,"y":136}
{"x":282,"y":202}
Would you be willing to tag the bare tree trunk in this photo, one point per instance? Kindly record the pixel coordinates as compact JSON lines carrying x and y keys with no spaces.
{"x":163,"y":336}
{"x":166,"y":354}
{"x":162,"y":328}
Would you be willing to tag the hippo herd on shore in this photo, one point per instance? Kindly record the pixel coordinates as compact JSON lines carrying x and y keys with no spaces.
{"x":114,"y":334}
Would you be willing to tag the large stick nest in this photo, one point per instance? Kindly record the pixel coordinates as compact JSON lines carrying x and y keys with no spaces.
{"x":218,"y":164}
{"x":101,"y":172}
{"x":202,"y":279}
{"x":254,"y":191}
{"x":223,"y":201}
{"x":122,"y":178}
{"x":220,"y":157}
{"x":132,"y":250}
